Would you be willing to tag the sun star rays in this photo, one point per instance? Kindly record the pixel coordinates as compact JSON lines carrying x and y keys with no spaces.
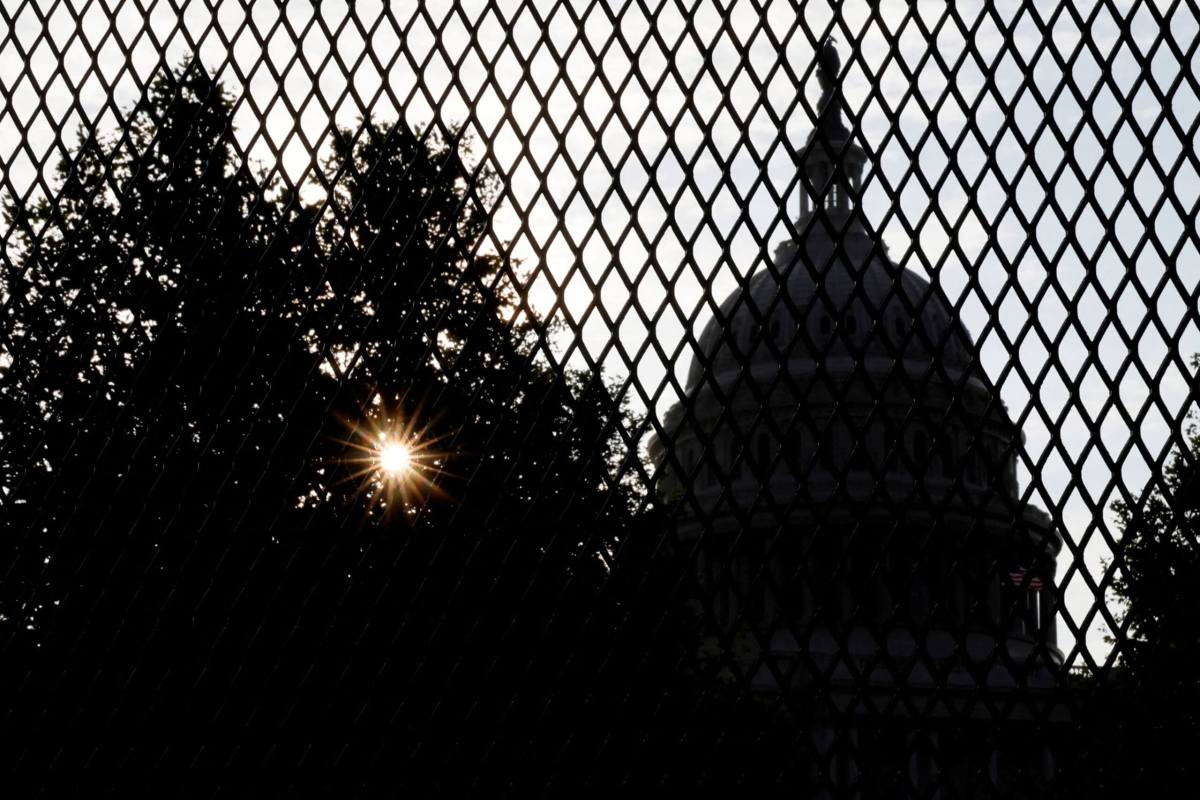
{"x":394,"y":460}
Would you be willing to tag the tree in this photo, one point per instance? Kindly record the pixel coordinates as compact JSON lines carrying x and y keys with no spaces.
{"x":490,"y":557}
{"x":206,"y":363}
{"x":1142,"y":718}
{"x":65,"y":353}
{"x":141,"y":368}
{"x":1160,"y":568}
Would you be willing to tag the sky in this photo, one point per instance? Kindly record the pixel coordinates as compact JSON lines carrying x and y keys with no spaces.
{"x":648,"y":157}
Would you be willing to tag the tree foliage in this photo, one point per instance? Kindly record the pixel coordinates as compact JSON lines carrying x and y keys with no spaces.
{"x":1140,"y":720}
{"x":204,"y":563}
{"x":1159,"y":560}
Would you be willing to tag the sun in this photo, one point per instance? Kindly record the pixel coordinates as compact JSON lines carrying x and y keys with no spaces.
{"x":395,"y":459}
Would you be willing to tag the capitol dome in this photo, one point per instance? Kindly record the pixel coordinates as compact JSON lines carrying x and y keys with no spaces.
{"x":834,"y":370}
{"x":838,"y":299}
{"x":843,"y":475}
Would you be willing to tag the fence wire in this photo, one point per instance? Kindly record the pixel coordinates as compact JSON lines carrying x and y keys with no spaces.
{"x":548,"y":397}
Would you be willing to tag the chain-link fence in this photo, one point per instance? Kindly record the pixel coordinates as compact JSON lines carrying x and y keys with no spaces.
{"x":532,"y":398}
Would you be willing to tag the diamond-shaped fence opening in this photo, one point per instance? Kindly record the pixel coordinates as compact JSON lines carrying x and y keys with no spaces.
{"x":535,"y":397}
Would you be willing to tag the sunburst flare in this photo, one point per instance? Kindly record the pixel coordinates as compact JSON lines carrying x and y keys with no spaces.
{"x":395,"y":461}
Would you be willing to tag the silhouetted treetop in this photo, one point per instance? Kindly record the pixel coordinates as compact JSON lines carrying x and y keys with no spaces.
{"x":204,"y":366}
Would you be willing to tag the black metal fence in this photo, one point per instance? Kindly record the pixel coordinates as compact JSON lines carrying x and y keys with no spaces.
{"x":527,"y":398}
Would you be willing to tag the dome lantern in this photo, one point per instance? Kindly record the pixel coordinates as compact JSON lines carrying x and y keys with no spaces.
{"x":832,"y":162}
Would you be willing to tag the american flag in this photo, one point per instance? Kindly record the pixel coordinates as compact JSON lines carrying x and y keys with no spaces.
{"x":1021,"y":577}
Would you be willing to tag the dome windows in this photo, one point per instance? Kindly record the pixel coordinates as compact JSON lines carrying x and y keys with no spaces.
{"x":848,"y":325}
{"x":770,"y":328}
{"x":756,"y":332}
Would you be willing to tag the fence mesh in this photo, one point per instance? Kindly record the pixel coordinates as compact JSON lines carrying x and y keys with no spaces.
{"x":538,"y":397}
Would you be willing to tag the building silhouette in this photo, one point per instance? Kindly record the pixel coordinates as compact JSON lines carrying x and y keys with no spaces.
{"x":843,"y":479}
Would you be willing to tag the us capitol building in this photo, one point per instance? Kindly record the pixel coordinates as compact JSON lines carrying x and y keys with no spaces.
{"x":843,"y":483}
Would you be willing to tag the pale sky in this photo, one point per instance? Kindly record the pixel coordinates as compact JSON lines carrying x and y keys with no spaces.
{"x":535,"y":89}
